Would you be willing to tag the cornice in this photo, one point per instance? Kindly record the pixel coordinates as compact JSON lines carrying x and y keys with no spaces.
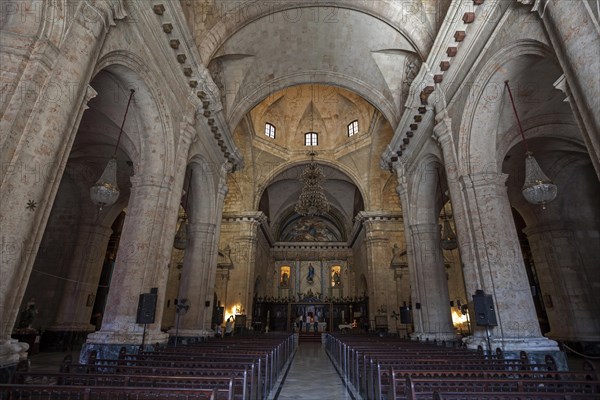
{"x":204,"y":93}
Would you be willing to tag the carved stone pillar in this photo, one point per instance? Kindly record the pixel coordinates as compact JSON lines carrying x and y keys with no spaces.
{"x":500,"y":271}
{"x":566,"y":269}
{"x":140,"y":266}
{"x":240,"y":233}
{"x":198,"y":271}
{"x":46,"y":140}
{"x":432,"y":306}
{"x":75,"y":309}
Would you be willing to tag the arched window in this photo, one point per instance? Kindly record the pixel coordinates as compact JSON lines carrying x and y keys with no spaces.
{"x":311,"y":139}
{"x":353,"y":128}
{"x":270,"y":130}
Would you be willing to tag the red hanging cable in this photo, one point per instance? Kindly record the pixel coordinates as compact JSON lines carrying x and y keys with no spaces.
{"x":512,"y":101}
{"x":123,"y":124}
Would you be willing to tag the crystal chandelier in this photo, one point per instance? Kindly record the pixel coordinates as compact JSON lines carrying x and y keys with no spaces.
{"x":181,"y":237}
{"x":106,"y":191}
{"x":312,"y":200}
{"x":538,"y":188}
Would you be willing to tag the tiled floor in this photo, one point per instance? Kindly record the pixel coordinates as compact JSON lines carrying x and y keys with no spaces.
{"x":312,"y":376}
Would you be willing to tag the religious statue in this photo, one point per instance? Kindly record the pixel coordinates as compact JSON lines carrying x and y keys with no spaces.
{"x":310,"y":277}
{"x":285,"y":280}
{"x":336,"y":279}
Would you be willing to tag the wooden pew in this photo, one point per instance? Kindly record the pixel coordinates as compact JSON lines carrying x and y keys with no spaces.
{"x":423,"y":388}
{"x":53,"y":392}
{"x":224,"y":386}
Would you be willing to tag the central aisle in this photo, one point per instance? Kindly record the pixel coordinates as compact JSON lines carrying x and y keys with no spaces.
{"x":312,"y":376}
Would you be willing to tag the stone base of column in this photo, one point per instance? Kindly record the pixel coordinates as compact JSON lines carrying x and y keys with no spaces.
{"x":107,"y":344}
{"x":189,"y":336}
{"x":11,"y":352}
{"x":537,"y":349}
{"x":434,"y":336}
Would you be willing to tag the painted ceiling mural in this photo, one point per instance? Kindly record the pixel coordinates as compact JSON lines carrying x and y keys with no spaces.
{"x":311,"y":229}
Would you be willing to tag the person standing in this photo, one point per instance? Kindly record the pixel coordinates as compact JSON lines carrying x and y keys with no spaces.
{"x":229,"y":326}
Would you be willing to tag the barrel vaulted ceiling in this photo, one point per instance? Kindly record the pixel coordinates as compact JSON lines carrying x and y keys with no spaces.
{"x":255,"y":48}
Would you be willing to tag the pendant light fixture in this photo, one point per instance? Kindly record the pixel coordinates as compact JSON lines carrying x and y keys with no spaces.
{"x":312,"y":200}
{"x":106,"y":191}
{"x":538,"y":188}
{"x":181,"y":237}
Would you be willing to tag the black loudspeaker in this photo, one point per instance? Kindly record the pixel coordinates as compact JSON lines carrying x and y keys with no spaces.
{"x":485,"y":314}
{"x":146,"y":308}
{"x":405,"y":317}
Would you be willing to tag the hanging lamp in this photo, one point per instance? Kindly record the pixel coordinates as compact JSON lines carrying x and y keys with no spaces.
{"x":449,"y":240}
{"x":106,"y":191}
{"x":538,"y":188}
{"x":312,"y":200}
{"x":181,"y":237}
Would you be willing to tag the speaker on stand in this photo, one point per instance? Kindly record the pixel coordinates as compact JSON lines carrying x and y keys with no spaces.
{"x":146,"y":311}
{"x":485,"y":313}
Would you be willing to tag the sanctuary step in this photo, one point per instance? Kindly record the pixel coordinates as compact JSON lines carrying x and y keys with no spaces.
{"x":309,"y":337}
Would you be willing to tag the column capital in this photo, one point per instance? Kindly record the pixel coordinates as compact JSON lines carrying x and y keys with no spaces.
{"x":481,"y":180}
{"x":108,"y":10}
{"x":425,"y":228}
{"x":140,"y":181}
{"x":442,"y":131}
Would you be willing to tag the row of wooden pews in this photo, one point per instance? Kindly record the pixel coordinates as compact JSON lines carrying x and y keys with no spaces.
{"x":386,"y":368}
{"x":234,"y":368}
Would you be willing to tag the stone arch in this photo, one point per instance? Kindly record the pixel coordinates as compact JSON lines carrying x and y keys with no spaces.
{"x":260,"y":92}
{"x":273,"y":173}
{"x":476,"y":148}
{"x":418,"y":37}
{"x":154,"y":145}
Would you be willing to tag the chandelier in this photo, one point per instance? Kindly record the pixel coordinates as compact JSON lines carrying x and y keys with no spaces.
{"x":538,"y":188}
{"x":106,"y":191}
{"x":312,"y":200}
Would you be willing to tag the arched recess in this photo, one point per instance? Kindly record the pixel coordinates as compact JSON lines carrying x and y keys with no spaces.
{"x":154,"y":138}
{"x":531,"y":69}
{"x":86,"y":232}
{"x":291,"y":170}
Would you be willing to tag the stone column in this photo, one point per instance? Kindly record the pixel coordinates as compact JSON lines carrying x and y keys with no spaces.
{"x":198,"y":269}
{"x":567,"y":280}
{"x":240,"y":232}
{"x":140,"y":266}
{"x":46,"y":141}
{"x":381,"y":230}
{"x":501,"y":272}
{"x":573,"y":31}
{"x":434,"y":311}
{"x":442,"y":132}
{"x":74,"y":311}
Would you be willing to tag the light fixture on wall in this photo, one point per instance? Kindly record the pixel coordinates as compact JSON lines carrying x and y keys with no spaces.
{"x":106,"y":191}
{"x":181,"y":237}
{"x":449,"y":240}
{"x":538,"y":188}
{"x":312,"y":200}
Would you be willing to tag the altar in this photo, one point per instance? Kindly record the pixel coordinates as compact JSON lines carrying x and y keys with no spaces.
{"x":309,"y":327}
